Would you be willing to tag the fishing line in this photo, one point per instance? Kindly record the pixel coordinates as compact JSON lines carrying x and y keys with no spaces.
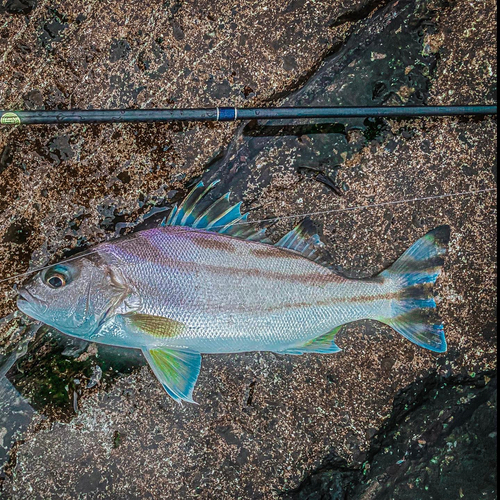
{"x":276,"y":219}
{"x":360,"y":207}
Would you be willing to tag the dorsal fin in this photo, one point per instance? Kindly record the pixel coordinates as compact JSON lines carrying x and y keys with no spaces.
{"x":219,"y":216}
{"x":303,"y":239}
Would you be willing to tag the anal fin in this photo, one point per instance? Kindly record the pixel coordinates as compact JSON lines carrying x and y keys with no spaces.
{"x":324,"y":344}
{"x":176,"y":369}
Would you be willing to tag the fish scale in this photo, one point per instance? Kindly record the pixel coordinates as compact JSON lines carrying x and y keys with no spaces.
{"x":255,"y":291}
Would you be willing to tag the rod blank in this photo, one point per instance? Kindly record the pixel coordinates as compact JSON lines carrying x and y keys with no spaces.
{"x":232,"y":114}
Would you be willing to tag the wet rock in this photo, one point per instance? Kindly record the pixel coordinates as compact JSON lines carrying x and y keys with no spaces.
{"x":440,"y":442}
{"x":33,"y":100}
{"x":60,"y":148}
{"x":120,"y":49}
{"x":18,"y":6}
{"x":5,"y":157}
{"x":348,"y":74}
{"x":18,"y":232}
{"x":52,"y":29}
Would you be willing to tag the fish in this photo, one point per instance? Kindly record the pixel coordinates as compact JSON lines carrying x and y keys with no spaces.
{"x":207,"y":280}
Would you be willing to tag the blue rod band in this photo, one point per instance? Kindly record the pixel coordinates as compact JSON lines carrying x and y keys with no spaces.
{"x":227,"y":114}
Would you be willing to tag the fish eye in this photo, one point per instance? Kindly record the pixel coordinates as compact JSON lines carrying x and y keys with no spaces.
{"x":56,"y":281}
{"x":56,"y":277}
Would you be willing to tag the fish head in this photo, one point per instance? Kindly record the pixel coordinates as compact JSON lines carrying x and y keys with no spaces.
{"x":75,"y":296}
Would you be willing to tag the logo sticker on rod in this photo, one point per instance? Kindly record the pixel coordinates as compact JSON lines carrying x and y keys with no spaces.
{"x":10,"y":119}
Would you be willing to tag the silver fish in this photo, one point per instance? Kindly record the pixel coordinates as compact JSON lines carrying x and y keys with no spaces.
{"x":207,"y":281}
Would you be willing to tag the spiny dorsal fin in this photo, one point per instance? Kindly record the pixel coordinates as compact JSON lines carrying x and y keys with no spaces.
{"x":303,"y":239}
{"x":220,"y":216}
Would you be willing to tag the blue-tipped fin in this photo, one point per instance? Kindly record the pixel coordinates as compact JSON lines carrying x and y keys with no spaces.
{"x":324,"y":344}
{"x":220,"y":216}
{"x":414,"y":313}
{"x":188,"y":211}
{"x":176,"y":369}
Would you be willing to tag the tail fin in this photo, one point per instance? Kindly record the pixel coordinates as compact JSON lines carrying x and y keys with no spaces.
{"x":414,"y":315}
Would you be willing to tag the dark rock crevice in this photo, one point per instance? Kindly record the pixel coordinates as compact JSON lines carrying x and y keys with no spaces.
{"x":440,"y":441}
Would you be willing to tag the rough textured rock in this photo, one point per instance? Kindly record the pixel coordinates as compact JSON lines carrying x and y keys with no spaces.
{"x":440,"y":442}
{"x":264,"y":421}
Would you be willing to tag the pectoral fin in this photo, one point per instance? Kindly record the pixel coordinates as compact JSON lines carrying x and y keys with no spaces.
{"x":157,"y":326}
{"x":324,"y":344}
{"x":176,"y":369}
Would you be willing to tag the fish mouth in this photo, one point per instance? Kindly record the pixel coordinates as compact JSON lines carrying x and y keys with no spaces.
{"x":26,"y":307}
{"x":30,"y":304}
{"x":31,"y":297}
{"x":25,"y":295}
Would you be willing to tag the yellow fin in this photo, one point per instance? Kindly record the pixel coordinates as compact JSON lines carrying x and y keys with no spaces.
{"x":157,"y":326}
{"x":176,"y":369}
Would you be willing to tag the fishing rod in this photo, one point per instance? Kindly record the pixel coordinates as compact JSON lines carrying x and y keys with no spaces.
{"x":224,"y":114}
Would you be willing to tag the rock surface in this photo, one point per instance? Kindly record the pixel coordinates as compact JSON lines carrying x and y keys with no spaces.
{"x":264,"y":421}
{"x":440,"y":442}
